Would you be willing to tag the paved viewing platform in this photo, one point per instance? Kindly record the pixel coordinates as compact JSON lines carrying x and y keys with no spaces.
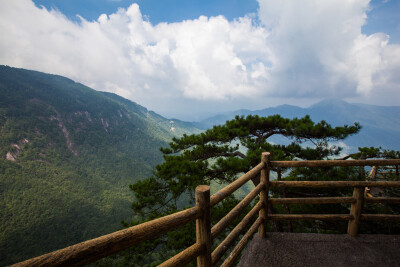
{"x":308,"y":249}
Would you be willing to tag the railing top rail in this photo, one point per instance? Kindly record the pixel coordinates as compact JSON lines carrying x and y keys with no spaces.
{"x":331,"y":163}
{"x":94,"y":249}
{"x":232,"y":187}
{"x":236,"y":211}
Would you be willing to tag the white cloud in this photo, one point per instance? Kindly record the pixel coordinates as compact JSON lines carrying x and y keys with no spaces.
{"x":321,"y":51}
{"x":301,"y":49}
{"x":205,"y":58}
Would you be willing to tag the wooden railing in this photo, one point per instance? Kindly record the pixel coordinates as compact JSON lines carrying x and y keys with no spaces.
{"x":92,"y":250}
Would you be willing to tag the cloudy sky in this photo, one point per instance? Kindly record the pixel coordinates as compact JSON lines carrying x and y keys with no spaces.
{"x":189,"y":59}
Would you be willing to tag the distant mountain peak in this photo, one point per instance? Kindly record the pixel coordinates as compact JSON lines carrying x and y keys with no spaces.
{"x":334,"y":102}
{"x":380,"y":123}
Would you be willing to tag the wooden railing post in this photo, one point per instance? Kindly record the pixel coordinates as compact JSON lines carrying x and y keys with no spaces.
{"x":203,"y":225}
{"x":264,"y":178}
{"x":355,"y":211}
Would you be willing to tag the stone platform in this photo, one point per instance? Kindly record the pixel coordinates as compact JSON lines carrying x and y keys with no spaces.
{"x":304,"y":249}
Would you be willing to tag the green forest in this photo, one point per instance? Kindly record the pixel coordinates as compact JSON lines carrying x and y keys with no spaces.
{"x":68,"y":155}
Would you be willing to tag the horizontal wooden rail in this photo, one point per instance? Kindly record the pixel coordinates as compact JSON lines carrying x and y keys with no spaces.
{"x":380,"y":217}
{"x":229,"y":189}
{"x":332,"y":163}
{"x":322,"y":217}
{"x":229,"y":261}
{"x":334,"y":183}
{"x":94,"y":249}
{"x":220,"y":250}
{"x":224,"y":222}
{"x":387,"y":200}
{"x":185,"y":257}
{"x":312,"y":200}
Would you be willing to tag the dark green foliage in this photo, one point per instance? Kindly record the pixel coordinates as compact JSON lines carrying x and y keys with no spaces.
{"x":219,"y":155}
{"x":76,"y":152}
{"x":343,"y":174}
{"x":222,"y":152}
{"x":317,"y":174}
{"x":375,"y":152}
{"x":371,"y":227}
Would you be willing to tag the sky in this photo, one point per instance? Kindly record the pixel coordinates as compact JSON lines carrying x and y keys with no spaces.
{"x":194,"y":58}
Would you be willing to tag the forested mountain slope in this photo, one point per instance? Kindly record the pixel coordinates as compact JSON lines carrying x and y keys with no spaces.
{"x":67,"y":156}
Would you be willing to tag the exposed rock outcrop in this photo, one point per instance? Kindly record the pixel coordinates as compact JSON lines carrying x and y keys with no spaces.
{"x":16,"y":149}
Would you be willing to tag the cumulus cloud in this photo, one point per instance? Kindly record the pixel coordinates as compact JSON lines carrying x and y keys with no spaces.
{"x":322,"y":51}
{"x":205,"y":58}
{"x":296,"y":49}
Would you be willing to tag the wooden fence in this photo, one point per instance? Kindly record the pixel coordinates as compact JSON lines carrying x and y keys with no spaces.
{"x":92,"y":250}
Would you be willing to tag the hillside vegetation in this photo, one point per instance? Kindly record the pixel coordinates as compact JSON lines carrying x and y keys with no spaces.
{"x":68,"y":154}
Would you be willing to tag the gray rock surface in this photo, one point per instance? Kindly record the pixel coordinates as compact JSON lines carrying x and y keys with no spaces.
{"x":304,"y":249}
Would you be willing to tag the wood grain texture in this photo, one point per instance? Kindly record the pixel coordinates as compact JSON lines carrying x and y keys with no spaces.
{"x":230,"y":260}
{"x":184,"y":257}
{"x":264,"y":179}
{"x":355,"y":211}
{"x":203,"y":225}
{"x":229,"y":189}
{"x":236,"y":211}
{"x":224,"y":245}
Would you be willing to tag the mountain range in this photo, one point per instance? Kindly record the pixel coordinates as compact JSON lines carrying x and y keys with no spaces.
{"x":68,"y":154}
{"x":380,"y":124}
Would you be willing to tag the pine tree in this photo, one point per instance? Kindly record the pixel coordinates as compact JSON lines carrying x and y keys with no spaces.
{"x":220,"y":155}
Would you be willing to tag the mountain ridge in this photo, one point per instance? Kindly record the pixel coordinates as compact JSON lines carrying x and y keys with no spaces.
{"x":68,"y":155}
{"x":381,"y":124}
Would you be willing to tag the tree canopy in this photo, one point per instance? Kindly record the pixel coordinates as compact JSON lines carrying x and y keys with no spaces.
{"x":218,"y":156}
{"x":224,"y":151}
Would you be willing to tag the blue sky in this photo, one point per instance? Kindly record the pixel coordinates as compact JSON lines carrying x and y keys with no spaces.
{"x":189,"y":59}
{"x":156,"y":10}
{"x":383,"y":16}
